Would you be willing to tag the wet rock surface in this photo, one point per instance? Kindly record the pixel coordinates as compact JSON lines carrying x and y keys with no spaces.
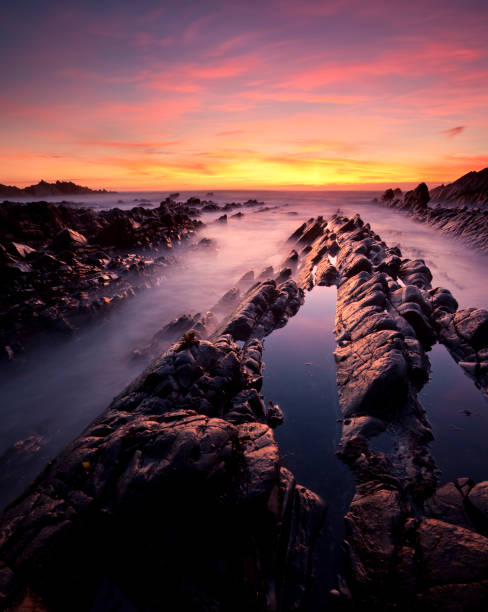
{"x":402,"y":530}
{"x":266,"y":306}
{"x":61,"y":266}
{"x":177,"y":492}
{"x":201,"y":324}
{"x":469,"y":222}
{"x":176,"y":495}
{"x":465,"y":334}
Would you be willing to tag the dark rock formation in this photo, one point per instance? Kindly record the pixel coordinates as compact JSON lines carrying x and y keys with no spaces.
{"x":201,"y":324}
{"x":411,"y":546}
{"x":472,"y":188}
{"x":465,"y":334}
{"x":61,"y":266}
{"x":418,"y":197}
{"x":246,"y":279}
{"x":267,"y":306}
{"x":175,"y":497}
{"x":229,"y":300}
{"x":44,"y":190}
{"x":68,"y":239}
{"x":468,"y":223}
{"x":210,"y":207}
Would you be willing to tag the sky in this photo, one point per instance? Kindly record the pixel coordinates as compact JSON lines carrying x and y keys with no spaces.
{"x":251,"y":94}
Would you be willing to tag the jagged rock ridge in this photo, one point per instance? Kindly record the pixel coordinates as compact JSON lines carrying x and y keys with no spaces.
{"x":469,"y":223}
{"x":472,"y":188}
{"x":193,"y":432}
{"x":175,"y":497}
{"x":44,"y":189}
{"x":411,"y":545}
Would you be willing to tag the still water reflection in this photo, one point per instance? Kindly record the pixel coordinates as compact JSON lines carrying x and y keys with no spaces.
{"x":300,"y":376}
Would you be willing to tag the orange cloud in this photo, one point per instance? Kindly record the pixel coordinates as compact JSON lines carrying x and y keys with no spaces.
{"x":311,"y":93}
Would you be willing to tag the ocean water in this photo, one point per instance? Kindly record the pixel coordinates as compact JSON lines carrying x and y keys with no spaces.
{"x":70,"y":382}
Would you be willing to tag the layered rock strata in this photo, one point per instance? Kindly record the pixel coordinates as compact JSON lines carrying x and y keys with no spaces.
{"x":177,"y":492}
{"x":468,"y":223}
{"x":257,"y":311}
{"x":472,"y":188}
{"x":402,"y":533}
{"x":465,"y":334}
{"x":175,"y":497}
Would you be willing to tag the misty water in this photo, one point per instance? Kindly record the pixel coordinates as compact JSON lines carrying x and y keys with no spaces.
{"x":69,"y":382}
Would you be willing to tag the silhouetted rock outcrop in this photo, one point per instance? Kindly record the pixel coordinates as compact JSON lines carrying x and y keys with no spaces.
{"x":44,"y":190}
{"x":418,"y":196}
{"x":472,"y":188}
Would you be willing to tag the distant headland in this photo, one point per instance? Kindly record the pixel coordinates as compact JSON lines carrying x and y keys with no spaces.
{"x":44,"y":189}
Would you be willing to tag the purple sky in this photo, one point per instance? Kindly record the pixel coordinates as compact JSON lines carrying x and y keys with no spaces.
{"x":242,"y":94}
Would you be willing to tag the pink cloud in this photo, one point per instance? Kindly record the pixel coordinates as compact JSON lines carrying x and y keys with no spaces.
{"x":422,"y":60}
{"x":230,"y":44}
{"x":148,"y":146}
{"x":146,"y":39}
{"x":312,"y":8}
{"x":228,"y":68}
{"x":192,"y":77}
{"x":231,"y":133}
{"x":194,"y":30}
{"x":455,"y":131}
{"x":293,"y":96}
{"x":152,"y":15}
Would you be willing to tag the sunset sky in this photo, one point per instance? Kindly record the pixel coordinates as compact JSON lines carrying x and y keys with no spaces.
{"x":221,"y":94}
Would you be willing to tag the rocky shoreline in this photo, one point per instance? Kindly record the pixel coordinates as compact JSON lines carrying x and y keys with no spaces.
{"x":177,"y":495}
{"x":411,"y":545}
{"x":63,"y":266}
{"x":468,"y":222}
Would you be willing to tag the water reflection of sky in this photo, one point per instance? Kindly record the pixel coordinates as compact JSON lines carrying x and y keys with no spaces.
{"x":460,"y":447}
{"x":300,"y":376}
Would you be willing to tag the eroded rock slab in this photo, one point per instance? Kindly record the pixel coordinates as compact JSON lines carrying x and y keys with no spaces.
{"x":175,"y":496}
{"x":401,"y":529}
